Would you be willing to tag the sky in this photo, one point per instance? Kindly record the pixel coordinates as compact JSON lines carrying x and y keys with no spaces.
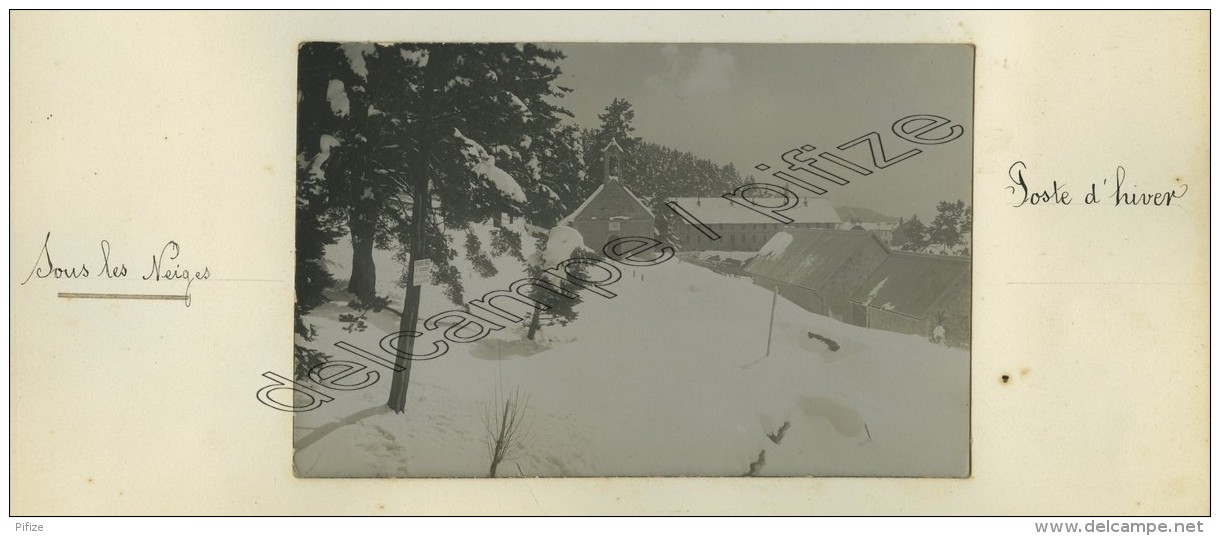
{"x":746,"y":104}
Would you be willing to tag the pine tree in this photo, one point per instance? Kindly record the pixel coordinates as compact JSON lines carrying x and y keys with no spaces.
{"x":911,"y":235}
{"x":402,"y":142}
{"x":556,"y":170}
{"x":946,"y":228}
{"x":615,"y":125}
{"x":316,"y":225}
{"x":467,"y":110}
{"x":564,"y":295}
{"x":355,"y":168}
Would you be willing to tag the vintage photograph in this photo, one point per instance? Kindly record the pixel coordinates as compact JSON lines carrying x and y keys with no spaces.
{"x":599,"y":259}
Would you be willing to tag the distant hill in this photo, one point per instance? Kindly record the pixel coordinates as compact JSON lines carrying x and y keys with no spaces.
{"x":864,"y":215}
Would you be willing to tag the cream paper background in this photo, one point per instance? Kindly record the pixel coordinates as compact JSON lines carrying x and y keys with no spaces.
{"x":144,"y":127}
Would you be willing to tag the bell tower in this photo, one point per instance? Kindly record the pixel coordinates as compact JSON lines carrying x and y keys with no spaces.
{"x":612,"y":160}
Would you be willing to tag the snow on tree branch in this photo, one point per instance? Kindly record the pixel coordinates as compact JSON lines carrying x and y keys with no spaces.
{"x":518,"y":105}
{"x":355,"y":53}
{"x":561,"y":244}
{"x":484,"y":165}
{"x":336,"y":95}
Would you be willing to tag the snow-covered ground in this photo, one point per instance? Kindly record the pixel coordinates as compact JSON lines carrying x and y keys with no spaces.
{"x":667,"y":378}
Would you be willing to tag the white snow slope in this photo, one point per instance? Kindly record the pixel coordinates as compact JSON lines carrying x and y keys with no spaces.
{"x":664,"y":379}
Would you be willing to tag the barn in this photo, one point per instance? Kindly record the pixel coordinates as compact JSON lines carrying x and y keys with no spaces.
{"x":915,"y":293}
{"x":819,"y":270}
{"x":612,"y":211}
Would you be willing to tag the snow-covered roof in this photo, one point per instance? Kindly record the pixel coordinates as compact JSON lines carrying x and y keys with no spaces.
{"x":613,"y":183}
{"x":718,"y":210}
{"x":869,"y":226}
{"x":570,"y":217}
{"x":910,"y":284}
{"x":812,"y":256}
{"x":776,"y":245}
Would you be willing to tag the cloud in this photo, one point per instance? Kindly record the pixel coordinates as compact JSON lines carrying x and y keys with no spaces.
{"x":710,"y":71}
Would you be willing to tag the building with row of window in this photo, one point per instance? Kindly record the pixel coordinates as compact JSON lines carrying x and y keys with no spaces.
{"x":884,"y":231}
{"x":741,"y":228}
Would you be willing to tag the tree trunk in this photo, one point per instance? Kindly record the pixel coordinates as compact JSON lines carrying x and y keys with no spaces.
{"x":363,"y":282}
{"x":534,"y":325}
{"x":494,"y":463}
{"x":410,"y":308}
{"x":364,"y":209}
{"x":422,"y":198}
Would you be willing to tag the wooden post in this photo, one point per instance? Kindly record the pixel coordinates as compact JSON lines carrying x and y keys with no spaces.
{"x":771,"y":328}
{"x":770,"y":331}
